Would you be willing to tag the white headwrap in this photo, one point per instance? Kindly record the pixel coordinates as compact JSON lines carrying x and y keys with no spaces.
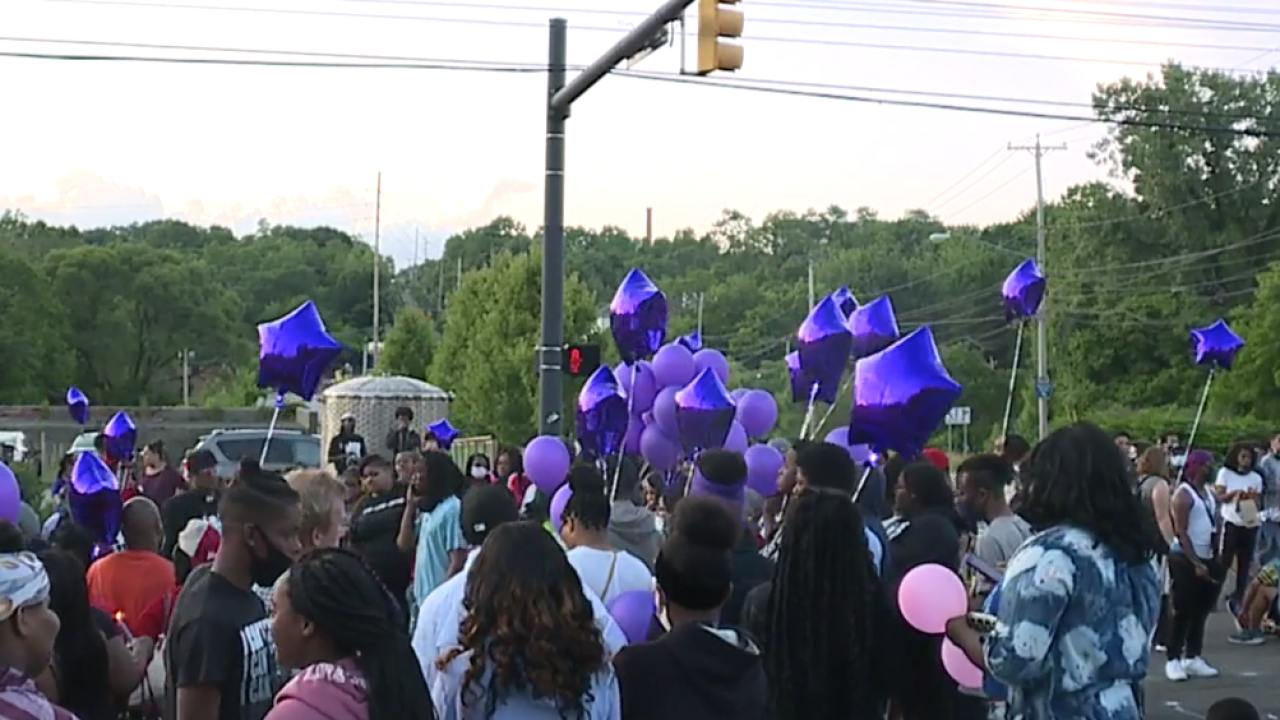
{"x":23,"y":583}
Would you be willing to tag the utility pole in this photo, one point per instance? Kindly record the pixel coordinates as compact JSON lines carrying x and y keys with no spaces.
{"x":648,"y":225}
{"x":701,"y":297}
{"x":186,"y":356}
{"x":415,"y":247}
{"x":1044,"y":388}
{"x":647,"y":36}
{"x":377,"y":267}
{"x":811,"y":302}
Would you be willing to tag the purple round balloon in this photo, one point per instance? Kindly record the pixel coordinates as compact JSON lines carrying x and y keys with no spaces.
{"x":295,"y":351}
{"x":1023,"y":291}
{"x":901,"y":395}
{"x":78,"y":405}
{"x":845,"y":300}
{"x":631,"y":442}
{"x":707,"y":358}
{"x":602,"y":415}
{"x":634,"y":612}
{"x":1216,"y":345}
{"x":638,"y":317}
{"x":824,"y":344}
{"x":90,"y":474}
{"x":757,"y":412}
{"x":546,"y":462}
{"x":860,"y":453}
{"x":558,"y":503}
{"x":10,"y":495}
{"x":764,"y":462}
{"x":874,"y":327}
{"x":799,"y":387}
{"x":658,"y":450}
{"x":664,"y":411}
{"x":673,"y":365}
{"x":444,"y":432}
{"x":638,"y":386}
{"x":704,"y":412}
{"x":737,"y":438}
{"x":692,"y":341}
{"x":121,"y":435}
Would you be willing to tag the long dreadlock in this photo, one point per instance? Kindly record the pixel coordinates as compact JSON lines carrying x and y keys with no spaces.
{"x":826,"y":614}
{"x":334,"y":589}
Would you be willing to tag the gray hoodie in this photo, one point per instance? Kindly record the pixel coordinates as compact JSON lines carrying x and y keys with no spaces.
{"x":633,"y":529}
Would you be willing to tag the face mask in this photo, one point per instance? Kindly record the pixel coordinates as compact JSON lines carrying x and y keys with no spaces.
{"x":479,"y":472}
{"x":265,"y":571}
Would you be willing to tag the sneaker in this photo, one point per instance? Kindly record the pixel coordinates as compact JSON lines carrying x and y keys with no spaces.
{"x":1159,"y":648}
{"x":1247,"y":637}
{"x":1198,"y":668}
{"x":1175,"y":671}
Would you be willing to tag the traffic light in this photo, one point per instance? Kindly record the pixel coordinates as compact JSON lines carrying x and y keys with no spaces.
{"x":580,"y":360}
{"x":714,"y":23}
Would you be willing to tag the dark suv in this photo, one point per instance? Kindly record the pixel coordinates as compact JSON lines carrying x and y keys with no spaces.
{"x":289,"y":449}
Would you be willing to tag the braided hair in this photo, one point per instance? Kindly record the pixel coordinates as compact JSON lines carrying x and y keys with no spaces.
{"x":589,"y":504}
{"x":826,"y":614}
{"x":336,"y":590}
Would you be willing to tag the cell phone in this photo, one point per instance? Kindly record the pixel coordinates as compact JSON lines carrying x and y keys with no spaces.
{"x":984,"y":568}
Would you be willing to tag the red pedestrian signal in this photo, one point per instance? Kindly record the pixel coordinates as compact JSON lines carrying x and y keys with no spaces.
{"x":581,"y":359}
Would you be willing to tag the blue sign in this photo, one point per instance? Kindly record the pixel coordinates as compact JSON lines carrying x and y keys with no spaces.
{"x":1044,"y":389}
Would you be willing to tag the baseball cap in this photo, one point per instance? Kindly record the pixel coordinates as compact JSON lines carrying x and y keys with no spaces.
{"x":484,"y":508}
{"x":938,"y":458}
{"x":201,"y":460}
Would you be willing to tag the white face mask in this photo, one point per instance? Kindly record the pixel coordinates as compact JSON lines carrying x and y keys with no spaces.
{"x":479,"y":471}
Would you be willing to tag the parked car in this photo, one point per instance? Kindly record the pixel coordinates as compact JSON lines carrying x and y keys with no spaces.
{"x":83,"y":443}
{"x":288,"y":449}
{"x":13,"y":446}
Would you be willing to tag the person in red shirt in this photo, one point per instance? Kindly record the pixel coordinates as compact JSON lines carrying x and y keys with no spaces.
{"x":124,"y":583}
{"x":200,"y":541}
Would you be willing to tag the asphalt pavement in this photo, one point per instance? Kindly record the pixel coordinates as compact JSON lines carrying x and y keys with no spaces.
{"x":1250,"y":672}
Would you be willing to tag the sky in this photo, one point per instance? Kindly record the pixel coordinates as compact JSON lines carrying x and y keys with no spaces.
{"x":101,"y":143}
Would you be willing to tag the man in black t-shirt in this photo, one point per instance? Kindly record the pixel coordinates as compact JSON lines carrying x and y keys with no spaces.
{"x":375,"y":522}
{"x":199,"y":502}
{"x":219,"y":655}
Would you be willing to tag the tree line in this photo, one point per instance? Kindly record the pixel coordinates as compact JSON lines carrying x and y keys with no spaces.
{"x":1193,"y":235}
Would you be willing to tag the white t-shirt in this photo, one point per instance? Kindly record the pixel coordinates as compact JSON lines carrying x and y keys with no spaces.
{"x":1231,"y":481}
{"x":593,"y":566}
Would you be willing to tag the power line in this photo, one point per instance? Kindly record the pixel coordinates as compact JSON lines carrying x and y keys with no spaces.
{"x":993,"y":191}
{"x":990,"y":171}
{"x":964,"y":177}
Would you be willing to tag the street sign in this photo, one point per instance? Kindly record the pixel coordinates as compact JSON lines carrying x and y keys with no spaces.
{"x":959,"y":416}
{"x":1044,"y":388}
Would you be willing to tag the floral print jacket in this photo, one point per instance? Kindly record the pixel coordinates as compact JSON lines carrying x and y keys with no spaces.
{"x":1074,"y":626}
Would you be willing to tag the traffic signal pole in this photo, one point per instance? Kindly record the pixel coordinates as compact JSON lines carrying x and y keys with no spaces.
{"x":561,"y":94}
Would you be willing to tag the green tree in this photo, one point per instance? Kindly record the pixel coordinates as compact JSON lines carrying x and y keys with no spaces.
{"x":485,"y":356}
{"x":37,"y":358}
{"x":409,"y":346}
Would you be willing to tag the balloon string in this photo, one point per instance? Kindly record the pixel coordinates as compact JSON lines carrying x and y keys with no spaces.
{"x":832,"y":407}
{"x":1013,"y":381}
{"x":1195,"y":424}
{"x":622,"y":446}
{"x":271,"y":430}
{"x":862,"y":481}
{"x":808,"y":413}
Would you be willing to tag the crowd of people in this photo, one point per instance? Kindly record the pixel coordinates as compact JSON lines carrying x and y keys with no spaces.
{"x":406,"y":587}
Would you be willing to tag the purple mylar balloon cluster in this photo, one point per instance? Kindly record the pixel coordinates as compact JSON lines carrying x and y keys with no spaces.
{"x":295,"y":351}
{"x":874,"y":327}
{"x":95,"y":500}
{"x":638,"y":317}
{"x":823,"y":344}
{"x":120,"y":436}
{"x":1023,"y":291}
{"x":602,"y":414}
{"x":901,"y":395}
{"x":1216,"y":345}
{"x":78,"y":405}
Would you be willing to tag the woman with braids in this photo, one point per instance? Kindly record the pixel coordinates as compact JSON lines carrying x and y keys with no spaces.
{"x":584,"y":529}
{"x":824,"y":619}
{"x":529,"y":647}
{"x":1078,"y":602}
{"x":335,"y":620}
{"x":697,"y":670}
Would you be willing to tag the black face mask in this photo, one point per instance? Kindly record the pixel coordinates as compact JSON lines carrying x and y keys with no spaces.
{"x":265,"y":571}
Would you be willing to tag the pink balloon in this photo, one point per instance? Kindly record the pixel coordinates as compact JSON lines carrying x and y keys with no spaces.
{"x":714,"y":359}
{"x":929,"y":596}
{"x":659,"y":450}
{"x":959,"y":667}
{"x":737,"y":438}
{"x":558,"y":503}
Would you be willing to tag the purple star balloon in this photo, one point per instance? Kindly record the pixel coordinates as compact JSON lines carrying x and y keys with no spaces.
{"x":704,"y":412}
{"x":845,"y":300}
{"x":901,"y":395}
{"x":78,"y":405}
{"x":121,"y":436}
{"x":602,"y":415}
{"x":799,"y":388}
{"x":99,"y":514}
{"x":692,"y":341}
{"x":638,"y":317}
{"x":444,"y":432}
{"x":1216,"y":345}
{"x":824,"y":344}
{"x":295,"y":351}
{"x":874,"y":327}
{"x":90,"y":474}
{"x":1023,"y":291}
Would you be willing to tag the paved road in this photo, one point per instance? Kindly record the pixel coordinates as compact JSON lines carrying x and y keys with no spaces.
{"x":1247,"y":672}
